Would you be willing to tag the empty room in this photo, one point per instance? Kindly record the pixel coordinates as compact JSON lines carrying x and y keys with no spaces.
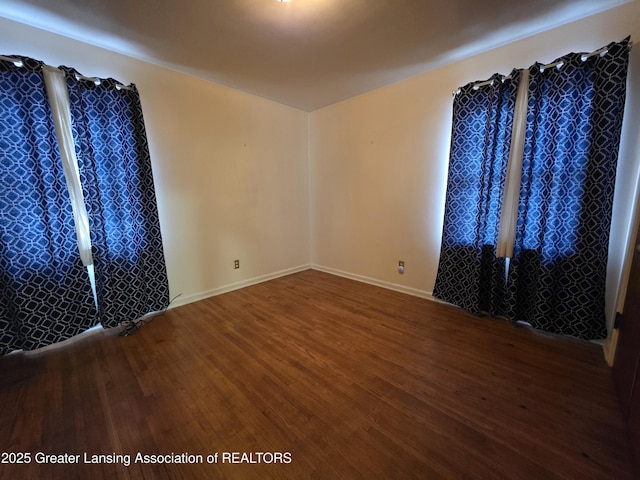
{"x":323,"y":239}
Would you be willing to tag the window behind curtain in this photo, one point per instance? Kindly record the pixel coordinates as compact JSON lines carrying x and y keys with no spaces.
{"x":469,"y":273}
{"x":557,"y":273}
{"x":45,"y":294}
{"x":115,"y":171}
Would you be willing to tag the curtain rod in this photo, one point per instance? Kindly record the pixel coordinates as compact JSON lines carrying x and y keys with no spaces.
{"x":18,"y":63}
{"x":602,"y":51}
{"x":97,"y":81}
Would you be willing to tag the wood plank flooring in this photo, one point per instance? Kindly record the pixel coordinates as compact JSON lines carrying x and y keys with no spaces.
{"x":345,"y":379}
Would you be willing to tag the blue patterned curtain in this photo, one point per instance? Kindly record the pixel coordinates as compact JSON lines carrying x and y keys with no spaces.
{"x":115,"y":170}
{"x":557,"y":275}
{"x":45,"y":293}
{"x":469,"y":274}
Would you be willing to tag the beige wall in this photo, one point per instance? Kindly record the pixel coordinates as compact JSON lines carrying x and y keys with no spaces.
{"x":231,"y":169}
{"x":378,"y":161}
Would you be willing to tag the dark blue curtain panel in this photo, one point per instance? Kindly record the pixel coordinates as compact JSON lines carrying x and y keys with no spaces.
{"x":469,"y":274}
{"x":116,"y":176}
{"x":558,"y":272}
{"x":45,"y":293}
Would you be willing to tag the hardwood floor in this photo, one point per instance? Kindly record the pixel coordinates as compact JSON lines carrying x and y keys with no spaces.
{"x":345,"y":380}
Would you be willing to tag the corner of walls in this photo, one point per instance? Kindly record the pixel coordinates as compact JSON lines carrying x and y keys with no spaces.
{"x":310,"y":191}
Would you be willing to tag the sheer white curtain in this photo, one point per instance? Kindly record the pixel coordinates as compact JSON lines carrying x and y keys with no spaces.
{"x":59,"y":102}
{"x":509,"y":212}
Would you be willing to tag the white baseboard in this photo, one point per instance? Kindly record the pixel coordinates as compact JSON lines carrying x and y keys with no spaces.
{"x":183,"y":300}
{"x":378,"y":283}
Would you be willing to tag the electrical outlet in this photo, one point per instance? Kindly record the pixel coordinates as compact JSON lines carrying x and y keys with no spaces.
{"x":236,"y":264}
{"x":401,"y":267}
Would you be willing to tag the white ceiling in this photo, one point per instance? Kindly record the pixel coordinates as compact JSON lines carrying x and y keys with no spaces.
{"x":304,"y":53}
